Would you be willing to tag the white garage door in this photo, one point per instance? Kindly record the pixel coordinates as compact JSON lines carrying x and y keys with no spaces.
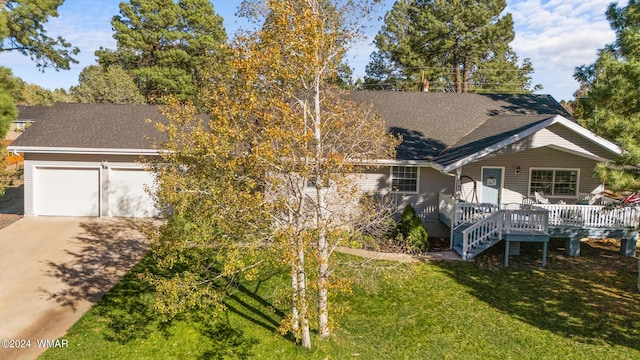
{"x":127,"y":195}
{"x":67,"y":192}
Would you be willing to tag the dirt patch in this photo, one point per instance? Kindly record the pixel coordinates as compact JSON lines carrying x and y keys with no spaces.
{"x":8,"y":219}
{"x":595,"y":255}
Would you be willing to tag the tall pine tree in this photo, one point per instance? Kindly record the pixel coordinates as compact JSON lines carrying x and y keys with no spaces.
{"x":610,"y":107}
{"x":22,"y":30}
{"x":459,"y":46}
{"x":170,"y":48}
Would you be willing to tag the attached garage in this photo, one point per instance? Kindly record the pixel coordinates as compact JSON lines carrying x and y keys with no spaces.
{"x":88,"y":160}
{"x":128,"y":193}
{"x":66,"y":191}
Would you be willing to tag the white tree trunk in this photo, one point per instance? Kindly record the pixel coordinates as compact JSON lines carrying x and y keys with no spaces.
{"x":303,"y":313}
{"x":323,"y":246}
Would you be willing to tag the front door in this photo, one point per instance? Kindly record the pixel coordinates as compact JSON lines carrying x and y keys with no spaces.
{"x":491,"y":185}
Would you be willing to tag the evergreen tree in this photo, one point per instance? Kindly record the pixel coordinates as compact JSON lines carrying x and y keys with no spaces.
{"x":170,"y":48}
{"x":11,"y":85}
{"x":457,"y":46}
{"x":112,"y":85}
{"x":22,"y":29}
{"x":610,"y":107}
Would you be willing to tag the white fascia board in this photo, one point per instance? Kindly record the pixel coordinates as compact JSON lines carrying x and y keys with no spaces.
{"x":497,"y":146}
{"x":90,"y":151}
{"x":393,"y":162}
{"x":588,"y":134}
{"x":578,"y":153}
{"x":557,"y":119}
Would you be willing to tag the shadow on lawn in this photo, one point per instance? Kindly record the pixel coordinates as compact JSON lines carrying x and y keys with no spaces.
{"x":591,"y":298}
{"x":128,"y":311}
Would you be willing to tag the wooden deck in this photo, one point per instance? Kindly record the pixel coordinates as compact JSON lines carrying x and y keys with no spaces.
{"x":476,"y":227}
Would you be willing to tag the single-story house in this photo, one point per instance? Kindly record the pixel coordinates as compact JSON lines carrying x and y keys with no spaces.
{"x":483,"y":168}
{"x":464,"y":158}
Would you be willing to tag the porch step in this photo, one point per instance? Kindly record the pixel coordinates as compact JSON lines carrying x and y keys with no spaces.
{"x":478,"y":249}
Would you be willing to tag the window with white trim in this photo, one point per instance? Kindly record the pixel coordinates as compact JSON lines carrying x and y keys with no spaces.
{"x":554,"y":182}
{"x":404,"y":179}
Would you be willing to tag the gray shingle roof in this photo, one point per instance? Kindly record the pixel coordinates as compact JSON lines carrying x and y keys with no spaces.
{"x":31,"y":113}
{"x":93,"y":126}
{"x":440,"y":127}
{"x":445,"y":127}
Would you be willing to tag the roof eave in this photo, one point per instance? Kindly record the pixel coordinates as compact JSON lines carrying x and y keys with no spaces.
{"x":499,"y":145}
{"x":588,"y":134}
{"x":557,"y":119}
{"x":79,"y":151}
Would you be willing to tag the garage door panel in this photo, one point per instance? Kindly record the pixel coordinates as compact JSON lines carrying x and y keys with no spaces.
{"x":128,"y":196}
{"x":67,"y":191}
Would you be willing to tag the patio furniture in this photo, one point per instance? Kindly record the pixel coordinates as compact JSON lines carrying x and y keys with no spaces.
{"x":540,"y":199}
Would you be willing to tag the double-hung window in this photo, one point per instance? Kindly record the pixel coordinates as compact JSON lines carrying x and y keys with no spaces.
{"x":554,"y":182}
{"x":404,"y":179}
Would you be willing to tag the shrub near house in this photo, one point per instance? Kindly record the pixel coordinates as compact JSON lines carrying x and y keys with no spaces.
{"x":412,"y":230}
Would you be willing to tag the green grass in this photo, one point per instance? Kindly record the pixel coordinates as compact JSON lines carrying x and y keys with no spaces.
{"x":578,"y":308}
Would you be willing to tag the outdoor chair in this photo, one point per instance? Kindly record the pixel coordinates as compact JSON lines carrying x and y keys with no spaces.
{"x":540,"y":199}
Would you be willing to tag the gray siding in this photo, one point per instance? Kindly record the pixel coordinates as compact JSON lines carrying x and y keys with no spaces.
{"x":561,"y":136}
{"x":430,"y":183}
{"x":516,"y":186}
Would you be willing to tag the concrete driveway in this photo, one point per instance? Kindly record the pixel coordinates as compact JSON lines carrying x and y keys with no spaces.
{"x":53,"y":269}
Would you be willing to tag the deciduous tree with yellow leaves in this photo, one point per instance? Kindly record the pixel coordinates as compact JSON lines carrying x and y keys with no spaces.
{"x":272,"y":174}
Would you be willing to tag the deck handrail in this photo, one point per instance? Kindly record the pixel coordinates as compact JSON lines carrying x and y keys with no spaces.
{"x":470,"y":213}
{"x":526,"y":221}
{"x":504,"y":222}
{"x":592,"y":216}
{"x":481,"y":231}
{"x":446,"y":206}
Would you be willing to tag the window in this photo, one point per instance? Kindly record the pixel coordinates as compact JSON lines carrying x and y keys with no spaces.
{"x":554,"y":182}
{"x":404,"y":179}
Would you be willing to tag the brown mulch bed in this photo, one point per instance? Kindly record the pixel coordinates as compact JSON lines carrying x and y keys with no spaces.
{"x":390,"y":246}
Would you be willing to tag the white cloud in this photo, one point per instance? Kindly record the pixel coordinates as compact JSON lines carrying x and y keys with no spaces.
{"x":557,"y":36}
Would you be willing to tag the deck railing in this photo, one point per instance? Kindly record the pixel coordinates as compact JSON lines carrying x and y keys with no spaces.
{"x":592,"y":216}
{"x":480,"y":232}
{"x":446,"y":206}
{"x":526,"y":221}
{"x":493,"y":227}
{"x":468,"y":213}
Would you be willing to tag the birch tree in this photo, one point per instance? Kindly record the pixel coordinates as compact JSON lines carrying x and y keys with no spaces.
{"x":288,"y":147}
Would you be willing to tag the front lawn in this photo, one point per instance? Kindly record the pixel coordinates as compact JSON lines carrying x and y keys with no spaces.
{"x":578,"y":308}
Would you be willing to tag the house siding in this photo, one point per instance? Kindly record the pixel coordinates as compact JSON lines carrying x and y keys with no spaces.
{"x":431,"y":183}
{"x":557,"y":136}
{"x":561,"y":136}
{"x":516,"y":186}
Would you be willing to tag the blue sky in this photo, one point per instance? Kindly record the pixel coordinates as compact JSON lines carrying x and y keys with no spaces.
{"x":557,"y":35}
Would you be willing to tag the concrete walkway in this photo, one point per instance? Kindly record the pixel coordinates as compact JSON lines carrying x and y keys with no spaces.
{"x":53,"y":269}
{"x":405,"y":258}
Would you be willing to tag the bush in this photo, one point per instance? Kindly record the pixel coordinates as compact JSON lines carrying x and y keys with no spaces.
{"x":412,"y":230}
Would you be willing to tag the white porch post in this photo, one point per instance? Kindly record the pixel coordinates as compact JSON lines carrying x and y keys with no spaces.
{"x":458,"y":186}
{"x":456,"y":197}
